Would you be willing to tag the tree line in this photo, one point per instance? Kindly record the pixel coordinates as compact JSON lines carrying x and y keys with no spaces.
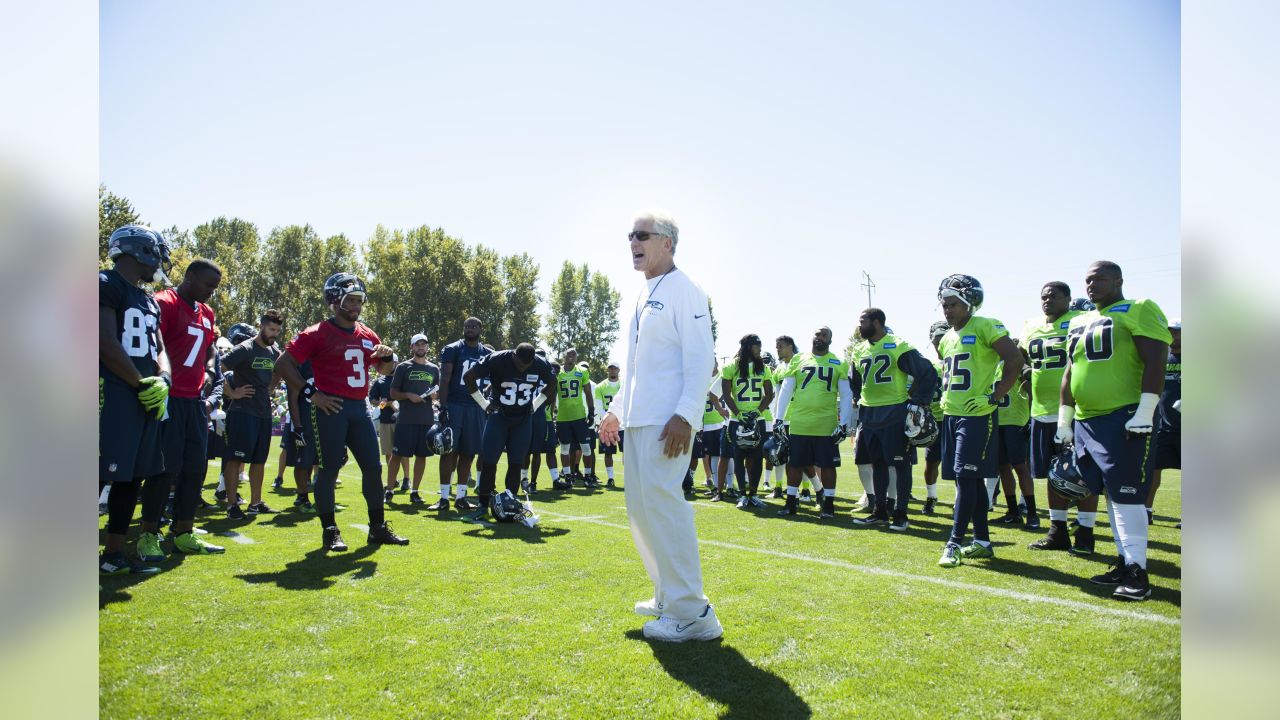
{"x":418,"y":280}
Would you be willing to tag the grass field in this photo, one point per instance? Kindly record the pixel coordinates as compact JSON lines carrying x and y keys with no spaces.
{"x":822,"y":619}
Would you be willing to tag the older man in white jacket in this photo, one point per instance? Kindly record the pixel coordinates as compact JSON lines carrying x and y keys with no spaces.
{"x":660,"y":404}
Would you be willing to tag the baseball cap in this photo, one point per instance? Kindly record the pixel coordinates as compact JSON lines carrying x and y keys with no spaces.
{"x":418,"y":337}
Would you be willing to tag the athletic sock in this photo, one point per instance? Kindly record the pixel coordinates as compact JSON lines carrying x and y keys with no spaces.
{"x":609,"y":471}
{"x":1087,"y":519}
{"x":1056,"y":515}
{"x":992,"y":483}
{"x":444,"y":490}
{"x":524,"y":474}
{"x":868,"y":482}
{"x":1115,"y":534}
{"x":818,"y":489}
{"x":222,"y":483}
{"x":829,"y":492}
{"x":1031,"y":505}
{"x":793,"y":491}
{"x":1131,"y":529}
{"x":779,"y":475}
{"x":555,"y":474}
{"x":460,"y":491}
{"x":932,"y":491}
{"x":304,"y":497}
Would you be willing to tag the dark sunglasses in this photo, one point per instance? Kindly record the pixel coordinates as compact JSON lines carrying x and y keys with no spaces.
{"x":642,"y":236}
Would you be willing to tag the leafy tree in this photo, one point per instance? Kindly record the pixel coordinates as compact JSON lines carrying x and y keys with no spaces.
{"x":520,"y":285}
{"x":113,"y":211}
{"x":584,"y":315}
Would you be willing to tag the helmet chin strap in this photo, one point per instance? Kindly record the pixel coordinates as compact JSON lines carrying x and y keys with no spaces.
{"x":160,"y":277}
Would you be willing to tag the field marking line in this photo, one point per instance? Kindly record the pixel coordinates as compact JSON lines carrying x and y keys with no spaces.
{"x":587,"y":518}
{"x":358,"y":526}
{"x":885,"y":572}
{"x":236,"y":537}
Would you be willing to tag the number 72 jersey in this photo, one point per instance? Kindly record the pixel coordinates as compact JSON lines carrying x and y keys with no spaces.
{"x":1106,"y":370}
{"x":340,"y":359}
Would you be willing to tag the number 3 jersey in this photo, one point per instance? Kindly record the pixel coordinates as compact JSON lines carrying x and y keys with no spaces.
{"x":969,"y":365}
{"x":513,"y":390}
{"x":1106,"y":370}
{"x":340,"y":358}
{"x":1046,"y":346}
{"x":137,"y":322}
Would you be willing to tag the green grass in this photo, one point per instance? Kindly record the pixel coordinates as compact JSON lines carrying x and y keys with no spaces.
{"x":821,"y":619}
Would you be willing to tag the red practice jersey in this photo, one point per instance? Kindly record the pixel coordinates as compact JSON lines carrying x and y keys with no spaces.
{"x":187,"y":333}
{"x":340,"y":358}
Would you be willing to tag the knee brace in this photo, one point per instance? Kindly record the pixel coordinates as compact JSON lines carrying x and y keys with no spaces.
{"x":564,"y":448}
{"x":586,"y":449}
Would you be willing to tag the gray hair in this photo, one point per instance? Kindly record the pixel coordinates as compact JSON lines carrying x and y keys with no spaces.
{"x":663,"y":224}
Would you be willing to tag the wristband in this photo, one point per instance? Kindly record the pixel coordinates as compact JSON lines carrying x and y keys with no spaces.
{"x":307,"y":391}
{"x":539,"y":400}
{"x":168,"y":379}
{"x":480,"y":400}
{"x":1066,"y":415}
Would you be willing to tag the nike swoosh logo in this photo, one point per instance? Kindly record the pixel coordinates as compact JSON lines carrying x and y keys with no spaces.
{"x":682,"y":628}
{"x":699,"y":317}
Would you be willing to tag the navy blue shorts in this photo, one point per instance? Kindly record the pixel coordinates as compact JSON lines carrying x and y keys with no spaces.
{"x":293,"y":456}
{"x":184,"y":437}
{"x":817,"y":450}
{"x":1109,"y":457}
{"x":248,"y":438}
{"x":351,"y":427}
{"x":603,"y":449}
{"x":742,"y":453}
{"x":969,"y":447}
{"x":708,"y":444}
{"x":410,"y":440}
{"x":728,"y":448}
{"x":508,"y":434}
{"x":933,"y":453}
{"x":573,"y":432}
{"x":128,"y":436}
{"x":887,"y":444}
{"x":1043,"y":447}
{"x":467,"y":421}
{"x":1013,"y":444}
{"x":1169,"y":450}
{"x":217,"y":446}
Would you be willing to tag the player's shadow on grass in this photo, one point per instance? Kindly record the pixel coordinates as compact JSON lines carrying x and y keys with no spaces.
{"x":1157,"y":569}
{"x":319,"y":570}
{"x":514,"y":531}
{"x":719,"y":672}
{"x":115,"y":588}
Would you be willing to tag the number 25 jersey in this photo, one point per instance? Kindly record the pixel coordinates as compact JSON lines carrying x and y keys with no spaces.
{"x":1106,"y":371}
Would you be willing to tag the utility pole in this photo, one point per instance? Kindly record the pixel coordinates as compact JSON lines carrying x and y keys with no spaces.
{"x":869,"y":284}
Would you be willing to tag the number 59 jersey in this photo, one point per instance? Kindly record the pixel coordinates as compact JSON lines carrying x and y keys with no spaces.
{"x":137,"y":322}
{"x":1046,"y":346}
{"x":340,"y":359}
{"x":1106,"y":371}
{"x":969,"y":365}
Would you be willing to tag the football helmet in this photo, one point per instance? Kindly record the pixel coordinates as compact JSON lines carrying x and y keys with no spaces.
{"x":770,"y":361}
{"x":965,"y":287}
{"x":507,"y":508}
{"x":747,"y":434}
{"x":938,"y":329}
{"x":240,"y":332}
{"x":1065,"y":477}
{"x":440,"y":439}
{"x":922,"y":429}
{"x":339,"y":285}
{"x":144,"y":245}
{"x":1082,"y":304}
{"x":777,"y":447}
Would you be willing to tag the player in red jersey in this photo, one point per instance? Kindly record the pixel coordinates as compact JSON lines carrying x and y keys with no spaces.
{"x":341,"y":350}
{"x":188,"y":328}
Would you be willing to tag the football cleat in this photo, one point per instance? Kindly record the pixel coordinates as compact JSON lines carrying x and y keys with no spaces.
{"x":277,"y":484}
{"x":742,"y":503}
{"x":415,"y":498}
{"x":149,"y":548}
{"x":1084,"y":541}
{"x":778,"y":492}
{"x":259,"y":508}
{"x":1033,"y":522}
{"x":119,"y":564}
{"x":388,"y":496}
{"x":331,"y":540}
{"x":950,"y":556}
{"x":384,"y":535}
{"x":191,"y":544}
{"x":875,"y":517}
{"x":1113,"y":576}
{"x":1056,"y":539}
{"x":899,"y":524}
{"x":828,"y":506}
{"x":592,"y":482}
{"x":668,"y":629}
{"x":977,"y":551}
{"x":465,"y":503}
{"x":1009,"y":518}
{"x":404,"y":485}
{"x":235,"y":513}
{"x":928,"y":505}
{"x":1135,"y":585}
{"x":806,"y":496}
{"x":303,"y":505}
{"x":791,"y":507}
{"x":524,"y":485}
{"x":441,"y":504}
{"x":755,"y":502}
{"x":479,"y":516}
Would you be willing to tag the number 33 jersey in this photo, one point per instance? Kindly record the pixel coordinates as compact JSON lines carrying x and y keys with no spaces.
{"x":513,"y":390}
{"x":969,"y":365}
{"x":137,"y":322}
{"x":1106,"y":371}
{"x":340,"y":358}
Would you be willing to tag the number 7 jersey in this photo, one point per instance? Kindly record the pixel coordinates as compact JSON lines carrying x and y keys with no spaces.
{"x":1106,"y":370}
{"x":340,"y":359}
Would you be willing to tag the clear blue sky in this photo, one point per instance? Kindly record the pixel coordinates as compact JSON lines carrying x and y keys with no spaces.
{"x":797,"y":146}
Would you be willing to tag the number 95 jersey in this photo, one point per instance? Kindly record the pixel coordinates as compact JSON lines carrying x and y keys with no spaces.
{"x":340,"y":359}
{"x":1106,"y":371}
{"x":1046,"y":346}
{"x":137,"y":322}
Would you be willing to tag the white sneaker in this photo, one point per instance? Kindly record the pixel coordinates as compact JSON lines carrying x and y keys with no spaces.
{"x":649,"y":607}
{"x":668,"y":629}
{"x":864,"y":504}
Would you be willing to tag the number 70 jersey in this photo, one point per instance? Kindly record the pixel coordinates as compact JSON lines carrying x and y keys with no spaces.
{"x":340,"y":359}
{"x":1106,"y":370}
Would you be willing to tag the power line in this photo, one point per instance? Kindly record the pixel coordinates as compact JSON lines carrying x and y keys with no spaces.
{"x":869,"y":284}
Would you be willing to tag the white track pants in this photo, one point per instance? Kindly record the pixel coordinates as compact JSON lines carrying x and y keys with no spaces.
{"x":662,"y":523}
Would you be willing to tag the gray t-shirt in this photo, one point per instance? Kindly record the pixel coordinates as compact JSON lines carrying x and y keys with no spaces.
{"x":252,"y":364}
{"x":415,"y":378}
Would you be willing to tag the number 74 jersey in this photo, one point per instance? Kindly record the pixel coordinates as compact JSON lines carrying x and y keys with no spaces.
{"x":340,"y":359}
{"x":1106,"y":371}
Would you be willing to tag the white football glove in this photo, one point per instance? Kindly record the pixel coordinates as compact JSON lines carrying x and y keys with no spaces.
{"x":1177,"y":405}
{"x":481,"y":400}
{"x":1066,"y":433}
{"x":1143,"y":418}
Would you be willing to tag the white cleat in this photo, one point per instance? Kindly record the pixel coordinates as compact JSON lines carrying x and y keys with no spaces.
{"x":649,"y":608}
{"x":668,"y":629}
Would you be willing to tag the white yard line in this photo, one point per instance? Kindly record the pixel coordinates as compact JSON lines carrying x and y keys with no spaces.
{"x":361,"y":528}
{"x":236,"y":537}
{"x":870,"y":570}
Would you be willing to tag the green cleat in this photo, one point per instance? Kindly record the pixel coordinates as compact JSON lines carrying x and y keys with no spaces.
{"x":190,"y":544}
{"x":950,"y":556}
{"x":149,"y":548}
{"x":976,"y":551}
{"x":119,"y":564}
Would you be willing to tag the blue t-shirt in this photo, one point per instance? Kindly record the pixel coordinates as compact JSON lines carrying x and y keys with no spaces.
{"x":463,"y":357}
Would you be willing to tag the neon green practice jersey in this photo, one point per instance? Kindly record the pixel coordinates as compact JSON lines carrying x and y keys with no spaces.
{"x":782,"y":372}
{"x":572,"y":404}
{"x":1106,"y":371}
{"x":710,"y":415}
{"x":1046,"y":346}
{"x":936,"y":406}
{"x":883,"y":382}
{"x":814,"y":408}
{"x":605,"y":392}
{"x":748,"y":391}
{"x":969,"y":365}
{"x":1015,"y":408}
